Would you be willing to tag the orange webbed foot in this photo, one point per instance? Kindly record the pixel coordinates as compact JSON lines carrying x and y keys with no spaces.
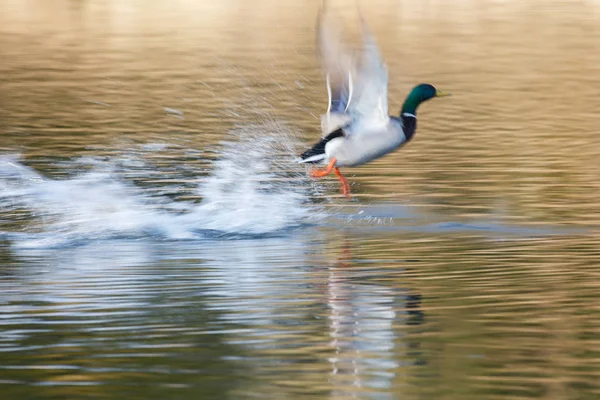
{"x":345,"y":188}
{"x":319,"y":173}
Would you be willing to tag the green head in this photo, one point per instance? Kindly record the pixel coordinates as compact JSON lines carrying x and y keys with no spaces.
{"x":419,"y":94}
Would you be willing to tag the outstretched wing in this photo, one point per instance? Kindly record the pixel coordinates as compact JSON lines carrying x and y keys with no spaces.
{"x":356,"y":86}
{"x":338,"y":65}
{"x":369,"y":103}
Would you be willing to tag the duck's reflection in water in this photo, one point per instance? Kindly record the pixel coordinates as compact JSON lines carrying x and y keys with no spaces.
{"x":308,"y":325}
{"x":367,"y":324}
{"x":290,"y":318}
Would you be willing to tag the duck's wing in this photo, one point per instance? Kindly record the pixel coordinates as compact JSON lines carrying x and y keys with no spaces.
{"x":369,"y":105}
{"x":337,"y":63}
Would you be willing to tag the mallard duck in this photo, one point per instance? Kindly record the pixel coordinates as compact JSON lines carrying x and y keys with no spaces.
{"x":356,"y":127}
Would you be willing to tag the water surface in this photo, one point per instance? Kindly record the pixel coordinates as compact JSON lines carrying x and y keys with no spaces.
{"x":157,"y":238}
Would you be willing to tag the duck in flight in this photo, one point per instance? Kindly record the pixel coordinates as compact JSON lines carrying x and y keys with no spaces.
{"x":356,"y":127}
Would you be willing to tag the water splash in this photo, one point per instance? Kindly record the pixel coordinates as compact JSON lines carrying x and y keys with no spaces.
{"x":254,"y":189}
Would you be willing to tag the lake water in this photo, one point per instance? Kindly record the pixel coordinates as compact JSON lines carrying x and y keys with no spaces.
{"x":158,"y":240}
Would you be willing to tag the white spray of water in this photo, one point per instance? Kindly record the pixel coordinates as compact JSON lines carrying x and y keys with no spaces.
{"x":249,"y":192}
{"x":255,"y":188}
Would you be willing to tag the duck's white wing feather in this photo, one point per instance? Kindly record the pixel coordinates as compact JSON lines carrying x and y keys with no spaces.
{"x":369,"y":106}
{"x":338,"y":65}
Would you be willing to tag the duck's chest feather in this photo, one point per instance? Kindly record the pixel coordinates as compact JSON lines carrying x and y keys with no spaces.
{"x":362,"y":146}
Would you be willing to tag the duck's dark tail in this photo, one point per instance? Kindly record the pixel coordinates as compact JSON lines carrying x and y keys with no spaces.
{"x":317,"y":153}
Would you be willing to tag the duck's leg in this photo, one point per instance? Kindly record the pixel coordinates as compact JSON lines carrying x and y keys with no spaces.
{"x":319,"y":173}
{"x":344,"y":181}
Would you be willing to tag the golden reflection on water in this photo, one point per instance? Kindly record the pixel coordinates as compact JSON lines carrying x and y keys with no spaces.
{"x":474,"y":316}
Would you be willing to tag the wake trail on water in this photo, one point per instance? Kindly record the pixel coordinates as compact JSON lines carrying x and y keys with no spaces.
{"x":254,"y":188}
